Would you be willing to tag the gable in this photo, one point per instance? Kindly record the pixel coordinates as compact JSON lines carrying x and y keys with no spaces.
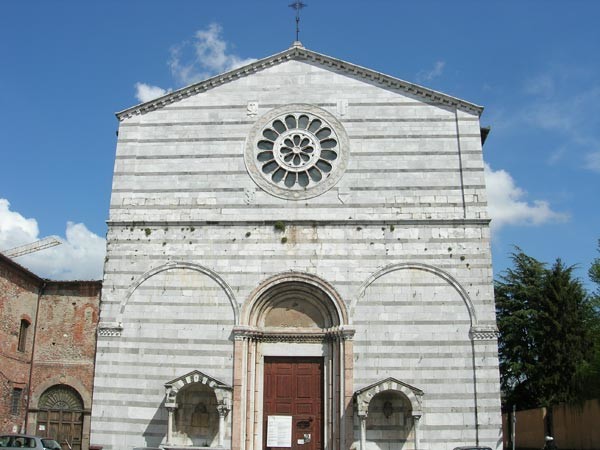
{"x":298,"y":53}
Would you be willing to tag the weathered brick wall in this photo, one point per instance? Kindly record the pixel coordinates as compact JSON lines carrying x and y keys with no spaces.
{"x":66,"y":336}
{"x":18,"y":300}
{"x":61,"y":342}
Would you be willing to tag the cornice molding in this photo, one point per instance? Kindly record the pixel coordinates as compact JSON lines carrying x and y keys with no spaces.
{"x":302,"y":54}
{"x":293,"y":335}
{"x":484,"y":333}
{"x":348,"y":222}
{"x":110,"y":329}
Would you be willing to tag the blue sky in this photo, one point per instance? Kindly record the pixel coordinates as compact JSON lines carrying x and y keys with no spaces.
{"x":67,"y":66}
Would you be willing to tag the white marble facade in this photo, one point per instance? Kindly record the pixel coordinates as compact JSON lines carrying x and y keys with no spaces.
{"x":373,"y":255}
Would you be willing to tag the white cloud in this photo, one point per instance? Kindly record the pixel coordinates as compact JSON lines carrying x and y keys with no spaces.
{"x":428,"y":75}
{"x":145,"y":92}
{"x":543,"y":85}
{"x":592,"y":161}
{"x":79,"y":257}
{"x":204,"y":56}
{"x":508,"y":205}
{"x":564,"y":102}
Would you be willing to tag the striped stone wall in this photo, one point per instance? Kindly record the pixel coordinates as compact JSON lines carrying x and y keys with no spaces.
{"x":402,"y":237}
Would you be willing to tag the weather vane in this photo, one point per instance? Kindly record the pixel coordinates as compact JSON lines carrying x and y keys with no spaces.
{"x":297,"y":5}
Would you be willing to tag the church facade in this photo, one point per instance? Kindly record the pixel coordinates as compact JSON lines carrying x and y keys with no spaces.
{"x":298,"y":257}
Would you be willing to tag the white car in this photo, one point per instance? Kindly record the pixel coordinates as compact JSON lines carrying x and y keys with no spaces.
{"x":26,"y":441}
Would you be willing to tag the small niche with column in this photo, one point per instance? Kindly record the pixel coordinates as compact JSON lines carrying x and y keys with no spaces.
{"x":388,"y":414}
{"x":198,"y":409}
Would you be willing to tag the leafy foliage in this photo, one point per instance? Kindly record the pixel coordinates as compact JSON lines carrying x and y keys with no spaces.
{"x":544,"y":318}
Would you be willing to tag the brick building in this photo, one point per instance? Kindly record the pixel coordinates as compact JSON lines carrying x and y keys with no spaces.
{"x":47,"y":349}
{"x":298,"y":257}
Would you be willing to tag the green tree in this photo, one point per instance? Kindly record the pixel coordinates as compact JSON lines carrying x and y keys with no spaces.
{"x":587,"y":377}
{"x":543,"y":317}
{"x":518,"y":293}
{"x":594,"y":273}
{"x":565,"y":338}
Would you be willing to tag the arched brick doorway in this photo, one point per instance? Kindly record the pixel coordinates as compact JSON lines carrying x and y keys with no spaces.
{"x":60,"y":416}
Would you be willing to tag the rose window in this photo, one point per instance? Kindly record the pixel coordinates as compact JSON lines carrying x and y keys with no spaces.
{"x":296,"y":151}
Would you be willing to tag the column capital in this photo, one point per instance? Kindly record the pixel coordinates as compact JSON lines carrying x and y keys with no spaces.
{"x":223,"y":410}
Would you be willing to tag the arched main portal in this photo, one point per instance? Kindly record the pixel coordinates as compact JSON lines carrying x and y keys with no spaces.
{"x":293,"y":367}
{"x":60,"y":416}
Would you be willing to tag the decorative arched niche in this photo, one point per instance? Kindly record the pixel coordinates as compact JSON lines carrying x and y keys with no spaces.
{"x":198,"y":406}
{"x":389,"y":412}
{"x":294,"y":300}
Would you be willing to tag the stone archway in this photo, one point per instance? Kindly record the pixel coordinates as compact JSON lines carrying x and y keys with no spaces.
{"x":302,"y":318}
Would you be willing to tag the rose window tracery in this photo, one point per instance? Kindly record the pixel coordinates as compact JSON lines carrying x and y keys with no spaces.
{"x":297,"y":152}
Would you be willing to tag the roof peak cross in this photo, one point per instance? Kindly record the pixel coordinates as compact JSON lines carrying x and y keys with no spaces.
{"x":297,"y":5}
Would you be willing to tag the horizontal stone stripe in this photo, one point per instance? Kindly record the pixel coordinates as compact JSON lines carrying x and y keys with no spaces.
{"x":171,"y":321}
{"x":417,"y":170}
{"x":385,"y":441}
{"x":148,"y":376}
{"x":239,"y":172}
{"x":130,"y":319}
{"x":405,"y":103}
{"x":449,"y":223}
{"x":267,"y":206}
{"x":224,"y":352}
{"x":446,"y":189}
{"x":178,"y":288}
{"x":382,"y":322}
{"x":365,"y":137}
{"x":432,"y":344}
{"x":180,"y":156}
{"x":257,"y":238}
{"x":194,"y":190}
{"x":416,"y":188}
{"x":127,"y":390}
{"x":181,"y":365}
{"x":424,"y":382}
{"x":343,"y":120}
{"x":127,"y":402}
{"x":362,"y":368}
{"x":186,"y":124}
{"x":360,"y":154}
{"x":284,"y":257}
{"x":197,"y":203}
{"x":183,"y":140}
{"x":167,"y":340}
{"x":234,"y":106}
{"x":412,"y":136}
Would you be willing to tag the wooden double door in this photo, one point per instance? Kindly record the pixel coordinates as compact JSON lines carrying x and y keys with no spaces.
{"x":293,"y":391}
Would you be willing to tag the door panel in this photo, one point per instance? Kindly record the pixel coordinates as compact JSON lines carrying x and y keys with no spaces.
{"x":294,"y":387}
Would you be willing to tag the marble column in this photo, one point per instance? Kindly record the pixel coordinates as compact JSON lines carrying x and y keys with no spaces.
{"x":171,"y":407}
{"x":362,"y":416}
{"x":223,"y":411}
{"x":416,"y":419}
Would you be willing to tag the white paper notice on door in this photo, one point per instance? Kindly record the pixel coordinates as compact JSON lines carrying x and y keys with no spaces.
{"x":279,"y":431}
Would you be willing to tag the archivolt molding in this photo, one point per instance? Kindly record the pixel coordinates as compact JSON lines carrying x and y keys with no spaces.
{"x":260,"y":298}
{"x":364,"y":396}
{"x":181,"y":265}
{"x":62,"y":380}
{"x":418,"y":266}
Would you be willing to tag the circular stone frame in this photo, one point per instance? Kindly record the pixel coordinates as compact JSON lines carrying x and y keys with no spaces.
{"x":296,"y":192}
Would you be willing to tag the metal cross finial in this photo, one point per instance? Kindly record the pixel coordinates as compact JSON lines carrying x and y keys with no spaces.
{"x":297,"y":5}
